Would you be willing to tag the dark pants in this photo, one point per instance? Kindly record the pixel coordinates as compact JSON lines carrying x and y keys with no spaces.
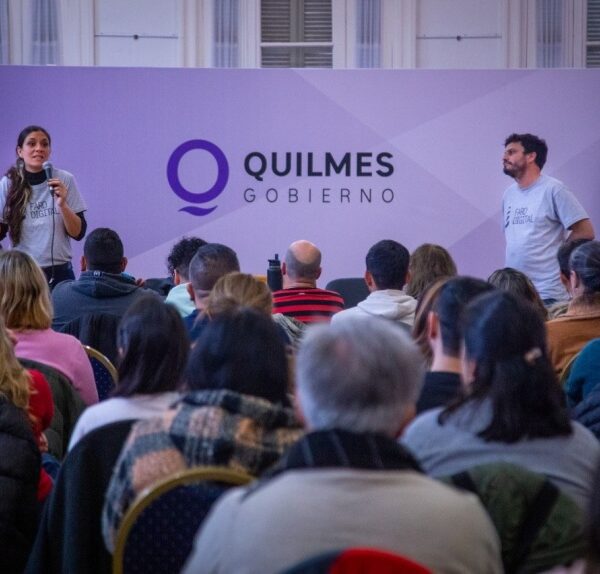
{"x":58,"y":273}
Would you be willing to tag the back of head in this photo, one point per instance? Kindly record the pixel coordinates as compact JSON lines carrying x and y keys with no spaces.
{"x":24,"y":293}
{"x":103,"y":251}
{"x":531,"y":144}
{"x":241,"y":351}
{"x":153,"y":348}
{"x":14,"y":380}
{"x":428,"y":263}
{"x":564,"y":254}
{"x":517,"y":283}
{"x":505,"y":338}
{"x":182,"y":253}
{"x":360,"y":375}
{"x":455,"y":294}
{"x":387,"y":261}
{"x":585,"y":262}
{"x":303,"y":261}
{"x":238,"y":290}
{"x":209,"y":264}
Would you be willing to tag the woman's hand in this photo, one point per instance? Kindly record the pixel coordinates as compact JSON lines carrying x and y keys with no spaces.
{"x":60,"y":191}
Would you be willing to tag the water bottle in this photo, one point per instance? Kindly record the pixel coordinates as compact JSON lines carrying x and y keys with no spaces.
{"x":274,"y":277}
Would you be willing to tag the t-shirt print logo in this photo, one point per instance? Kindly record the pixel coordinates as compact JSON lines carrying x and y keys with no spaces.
{"x":522,"y":216}
{"x":507,"y":220}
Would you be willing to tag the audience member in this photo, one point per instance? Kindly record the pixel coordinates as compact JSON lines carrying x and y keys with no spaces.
{"x":153,"y":348}
{"x":19,"y":482}
{"x":29,"y":391}
{"x":235,"y":413}
{"x":512,"y":408}
{"x":178,"y":263}
{"x":348,"y":482}
{"x":208,"y":265}
{"x":428,"y":263}
{"x":569,"y":333}
{"x":102,"y":286}
{"x":387,"y":269}
{"x":443,"y":380}
{"x":300,"y":297}
{"x":27,"y":311}
{"x":517,"y":283}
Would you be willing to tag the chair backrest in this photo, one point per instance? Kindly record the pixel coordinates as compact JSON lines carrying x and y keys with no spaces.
{"x":98,"y":330}
{"x":157,"y":532}
{"x":105,"y":374}
{"x":564,"y":376}
{"x":69,"y":537}
{"x":539,"y":526}
{"x":358,"y":561}
{"x":68,"y":406}
{"x":352,"y":289}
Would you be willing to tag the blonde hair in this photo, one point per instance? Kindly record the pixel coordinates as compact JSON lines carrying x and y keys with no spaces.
{"x":238,"y":290}
{"x":24,"y":293}
{"x":428,"y":262}
{"x":14,"y":379}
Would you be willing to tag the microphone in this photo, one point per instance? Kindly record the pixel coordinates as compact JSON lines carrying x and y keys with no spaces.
{"x":48,"y":169}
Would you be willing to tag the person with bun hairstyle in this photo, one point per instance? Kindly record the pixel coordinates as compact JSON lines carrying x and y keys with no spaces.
{"x":569,"y":333}
{"x":511,"y":408}
{"x":41,"y":214}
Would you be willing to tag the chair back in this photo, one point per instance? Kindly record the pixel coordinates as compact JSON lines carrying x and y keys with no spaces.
{"x":157,"y":532}
{"x":68,"y":406}
{"x":105,"y":373}
{"x":358,"y":561}
{"x":98,"y":330}
{"x":539,"y":526}
{"x":352,"y":289}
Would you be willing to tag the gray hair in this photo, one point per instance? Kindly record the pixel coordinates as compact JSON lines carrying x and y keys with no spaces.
{"x":359,"y":374}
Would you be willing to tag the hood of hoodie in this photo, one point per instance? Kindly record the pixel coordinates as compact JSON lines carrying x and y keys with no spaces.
{"x":391,"y":304}
{"x":103,"y":285}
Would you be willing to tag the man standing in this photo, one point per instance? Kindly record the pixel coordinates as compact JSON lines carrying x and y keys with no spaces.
{"x":300,"y":298}
{"x":386,"y":274}
{"x":538,"y":211}
{"x":348,"y":483}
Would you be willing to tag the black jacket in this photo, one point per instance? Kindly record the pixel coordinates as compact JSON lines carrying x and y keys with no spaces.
{"x":19,"y":476}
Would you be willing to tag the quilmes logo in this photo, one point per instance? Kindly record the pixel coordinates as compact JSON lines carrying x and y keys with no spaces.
{"x":210,"y":194}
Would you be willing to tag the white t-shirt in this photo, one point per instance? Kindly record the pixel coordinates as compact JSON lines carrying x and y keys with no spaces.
{"x":536,"y":219}
{"x":36,"y":234}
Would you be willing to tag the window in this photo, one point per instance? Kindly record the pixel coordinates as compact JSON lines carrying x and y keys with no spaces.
{"x":296,"y":34}
{"x":593,"y":34}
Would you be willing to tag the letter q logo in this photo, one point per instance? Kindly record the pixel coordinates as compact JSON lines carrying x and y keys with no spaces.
{"x":206,"y":196}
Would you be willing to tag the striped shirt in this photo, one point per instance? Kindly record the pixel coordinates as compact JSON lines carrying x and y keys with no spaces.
{"x":308,"y":305}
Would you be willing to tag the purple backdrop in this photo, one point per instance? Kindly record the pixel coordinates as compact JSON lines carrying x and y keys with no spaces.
{"x":434,"y":136}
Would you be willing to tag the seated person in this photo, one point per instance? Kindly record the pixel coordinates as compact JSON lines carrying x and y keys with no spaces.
{"x":511,"y":409}
{"x":348,"y":482}
{"x":235,"y":412}
{"x":428,"y":263}
{"x":178,"y":263}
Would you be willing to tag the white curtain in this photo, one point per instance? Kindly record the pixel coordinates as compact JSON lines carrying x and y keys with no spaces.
{"x":368,"y":33}
{"x":45,"y":33}
{"x":226,"y":34}
{"x":550,"y":33}
{"x":4,"y":39}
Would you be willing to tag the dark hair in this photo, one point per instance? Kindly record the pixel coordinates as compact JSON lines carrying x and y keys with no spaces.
{"x":181,"y":255}
{"x":154,"y":348}
{"x":103,"y":250}
{"x":387,"y":261}
{"x":428,"y":262}
{"x":517,"y":283}
{"x":564,"y":254}
{"x":19,"y":191}
{"x":453,"y":297}
{"x":505,"y":336}
{"x":531,"y":144}
{"x":585,"y":262}
{"x":210,"y":263}
{"x":420,"y":329}
{"x":241,"y":351}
